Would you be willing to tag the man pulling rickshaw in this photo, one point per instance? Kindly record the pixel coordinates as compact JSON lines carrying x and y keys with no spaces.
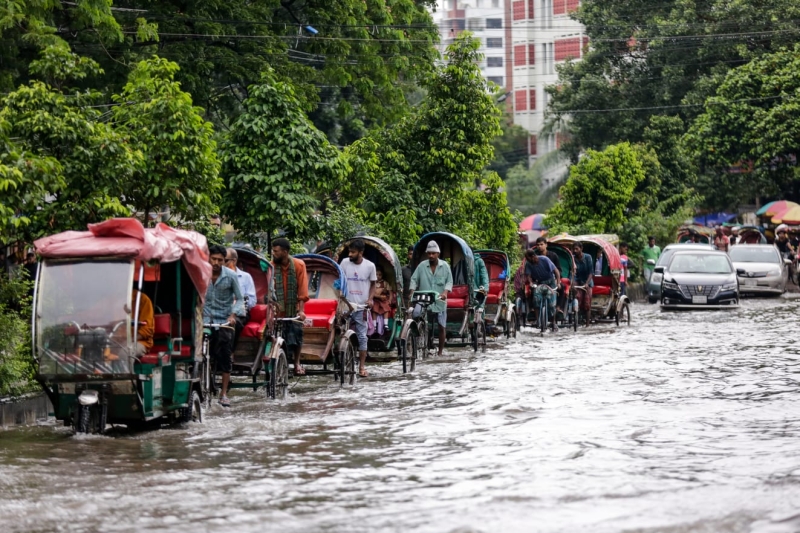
{"x":434,"y":275}
{"x":291,"y":293}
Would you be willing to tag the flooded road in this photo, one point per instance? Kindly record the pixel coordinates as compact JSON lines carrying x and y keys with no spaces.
{"x":682,"y":422}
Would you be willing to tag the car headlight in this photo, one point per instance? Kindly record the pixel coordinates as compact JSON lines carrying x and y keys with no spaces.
{"x":656,"y":277}
{"x":776,"y":271}
{"x":730,"y":286}
{"x":671,"y":286}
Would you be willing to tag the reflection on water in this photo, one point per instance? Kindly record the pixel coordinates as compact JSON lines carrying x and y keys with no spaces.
{"x":683,"y":422}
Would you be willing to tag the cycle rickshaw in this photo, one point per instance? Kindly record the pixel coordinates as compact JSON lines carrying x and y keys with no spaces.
{"x":389,"y":344}
{"x":465,"y":324}
{"x":608,"y":304}
{"x":260,"y":345}
{"x":88,"y":294}
{"x":701,"y":233}
{"x":499,"y":310}
{"x":327,"y":339}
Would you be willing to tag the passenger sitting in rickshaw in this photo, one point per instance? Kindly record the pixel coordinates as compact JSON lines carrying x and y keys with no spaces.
{"x":381,"y":304}
{"x":541,"y":271}
{"x":146,"y":322}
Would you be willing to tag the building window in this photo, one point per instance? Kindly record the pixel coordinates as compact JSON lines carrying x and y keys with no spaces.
{"x":532,"y":99}
{"x":532,"y":145}
{"x":559,"y":7}
{"x":531,"y":9}
{"x":518,"y":8}
{"x":457,"y":24}
{"x":497,"y":80}
{"x":494,"y":24}
{"x":572,"y":5}
{"x":494,"y":42}
{"x":531,"y":54}
{"x":519,"y":55}
{"x":494,"y":61}
{"x":495,"y":3}
{"x":568,"y":48}
{"x":475,"y":24}
{"x":520,"y":100}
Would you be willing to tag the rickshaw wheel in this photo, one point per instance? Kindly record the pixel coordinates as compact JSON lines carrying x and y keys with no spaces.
{"x":278,"y":378}
{"x":480,"y":335}
{"x":410,"y":351}
{"x":422,"y":341}
{"x":194,"y":412}
{"x":626,"y":315}
{"x":82,"y":419}
{"x":512,"y":326}
{"x":349,"y":364}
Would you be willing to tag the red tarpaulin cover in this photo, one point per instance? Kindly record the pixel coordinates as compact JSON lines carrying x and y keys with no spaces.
{"x":126,"y":237}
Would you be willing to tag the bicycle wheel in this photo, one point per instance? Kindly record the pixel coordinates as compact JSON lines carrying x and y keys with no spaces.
{"x":278,"y":377}
{"x":410,"y":351}
{"x":480,"y":330}
{"x":543,"y":317}
{"x":624,"y":316}
{"x":348,"y":370}
{"x":512,"y":325}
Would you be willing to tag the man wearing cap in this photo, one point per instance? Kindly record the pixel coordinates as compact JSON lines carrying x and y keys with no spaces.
{"x":434,"y":275}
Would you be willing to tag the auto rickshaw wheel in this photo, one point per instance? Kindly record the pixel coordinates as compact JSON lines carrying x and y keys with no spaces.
{"x":278,"y":377}
{"x":194,"y":411}
{"x":83,"y":418}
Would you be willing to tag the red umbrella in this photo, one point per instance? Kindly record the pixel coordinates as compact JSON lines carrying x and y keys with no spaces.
{"x":533,"y":222}
{"x":779,"y":208}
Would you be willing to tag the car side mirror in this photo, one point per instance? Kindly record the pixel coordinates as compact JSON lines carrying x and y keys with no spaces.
{"x":741,"y":272}
{"x":651,"y":262}
{"x":658,"y":270}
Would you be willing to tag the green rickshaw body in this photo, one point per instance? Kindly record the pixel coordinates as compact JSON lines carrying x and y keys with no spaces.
{"x":87,"y":298}
{"x":386,"y":260}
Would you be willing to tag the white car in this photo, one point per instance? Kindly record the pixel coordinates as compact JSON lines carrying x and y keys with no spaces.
{"x":761,"y":269}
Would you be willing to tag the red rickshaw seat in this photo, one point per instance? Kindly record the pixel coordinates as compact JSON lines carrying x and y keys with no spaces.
{"x":602,"y":285}
{"x":495,"y":291}
{"x":162,"y":324}
{"x":566,"y":283}
{"x":495,"y":271}
{"x":456,"y":303}
{"x":458,"y":297}
{"x":257,"y":323}
{"x":321,"y":312}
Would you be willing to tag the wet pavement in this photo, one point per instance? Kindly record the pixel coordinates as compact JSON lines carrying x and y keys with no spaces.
{"x":681,"y":422}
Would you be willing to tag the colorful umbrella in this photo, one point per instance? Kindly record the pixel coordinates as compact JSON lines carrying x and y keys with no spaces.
{"x":764,"y":208}
{"x":533,"y":222}
{"x":778,"y":208}
{"x":791,"y":216}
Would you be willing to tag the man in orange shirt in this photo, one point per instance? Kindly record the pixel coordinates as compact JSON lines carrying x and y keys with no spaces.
{"x":146,"y":327}
{"x":291,"y":293}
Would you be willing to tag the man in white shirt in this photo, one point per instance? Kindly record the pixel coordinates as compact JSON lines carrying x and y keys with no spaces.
{"x":361,"y":278}
{"x":245,"y":280}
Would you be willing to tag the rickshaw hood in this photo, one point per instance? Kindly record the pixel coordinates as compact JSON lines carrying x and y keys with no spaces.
{"x":126,"y":237}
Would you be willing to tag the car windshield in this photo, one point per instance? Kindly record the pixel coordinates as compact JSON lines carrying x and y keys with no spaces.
{"x":700,"y":264}
{"x":754,"y":254}
{"x":83,"y":317}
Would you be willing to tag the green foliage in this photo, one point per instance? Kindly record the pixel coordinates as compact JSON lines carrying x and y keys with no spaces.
{"x":745,"y":142}
{"x":599,"y":189}
{"x":277,"y":166}
{"x":16,"y":362}
{"x":179,"y":168}
{"x":510,"y":148}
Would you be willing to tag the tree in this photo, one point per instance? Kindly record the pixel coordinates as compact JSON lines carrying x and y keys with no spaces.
{"x":599,"y":189}
{"x":277,"y":167}
{"x":510,"y":148}
{"x":658,"y":58}
{"x":180,"y":169}
{"x":746,"y":141}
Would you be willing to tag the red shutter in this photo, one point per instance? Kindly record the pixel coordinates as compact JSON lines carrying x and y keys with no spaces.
{"x":572,"y":5}
{"x":532,"y":148}
{"x":559,"y":7}
{"x":519,"y":10}
{"x":565,"y":48}
{"x":519,"y":55}
{"x":531,"y":54}
{"x":520,"y":101}
{"x":530,"y":8}
{"x":532,"y":93}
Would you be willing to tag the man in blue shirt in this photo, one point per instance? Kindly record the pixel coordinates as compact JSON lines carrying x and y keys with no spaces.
{"x":584,"y":268}
{"x":540,"y":270}
{"x":224,"y":303}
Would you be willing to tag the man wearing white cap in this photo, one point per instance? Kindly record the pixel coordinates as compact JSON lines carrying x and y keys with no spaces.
{"x":434,"y":275}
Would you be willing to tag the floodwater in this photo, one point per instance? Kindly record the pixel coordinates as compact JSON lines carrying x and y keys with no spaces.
{"x":681,"y":422}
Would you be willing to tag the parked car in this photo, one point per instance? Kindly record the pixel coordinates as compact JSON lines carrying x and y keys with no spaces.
{"x":654,"y":286}
{"x":699,"y":279}
{"x":764,"y":270}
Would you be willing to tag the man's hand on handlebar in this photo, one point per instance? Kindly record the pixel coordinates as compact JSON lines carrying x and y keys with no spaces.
{"x":301,"y":316}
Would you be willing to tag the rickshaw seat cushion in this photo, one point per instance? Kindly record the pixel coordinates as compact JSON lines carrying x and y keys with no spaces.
{"x":459,"y":292}
{"x":566,"y":283}
{"x":601,"y":290}
{"x":496,"y":287}
{"x":603,"y":281}
{"x":321,"y":312}
{"x":257,"y":323}
{"x":162,"y":324}
{"x":495,"y":270}
{"x":457,"y":303}
{"x":151,"y":358}
{"x":492,"y":299}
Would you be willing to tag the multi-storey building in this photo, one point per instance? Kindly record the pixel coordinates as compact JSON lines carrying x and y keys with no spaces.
{"x":522,"y":41}
{"x":486,"y":20}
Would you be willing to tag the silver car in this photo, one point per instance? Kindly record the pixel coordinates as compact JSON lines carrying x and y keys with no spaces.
{"x":654,"y":287}
{"x":761,"y":269}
